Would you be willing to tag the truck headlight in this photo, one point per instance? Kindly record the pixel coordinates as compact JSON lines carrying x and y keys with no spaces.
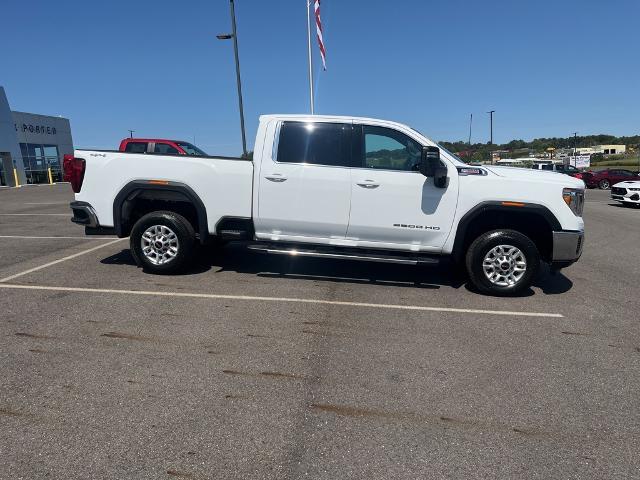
{"x":574,"y":198}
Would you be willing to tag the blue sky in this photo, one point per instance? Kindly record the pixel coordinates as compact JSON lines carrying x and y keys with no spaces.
{"x":548,"y":68}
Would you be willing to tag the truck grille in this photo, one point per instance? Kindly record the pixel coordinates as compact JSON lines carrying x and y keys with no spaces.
{"x":618,"y":191}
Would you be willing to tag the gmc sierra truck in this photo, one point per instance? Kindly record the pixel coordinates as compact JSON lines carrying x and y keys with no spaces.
{"x":335,"y":187}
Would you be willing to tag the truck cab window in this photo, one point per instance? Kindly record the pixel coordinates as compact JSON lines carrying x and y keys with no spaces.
{"x":165,"y":148}
{"x":315,"y":143}
{"x":190,"y":149}
{"x":136,"y":147}
{"x":389,"y":149}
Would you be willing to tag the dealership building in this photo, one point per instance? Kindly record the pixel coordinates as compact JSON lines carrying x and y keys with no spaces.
{"x":31,"y":145}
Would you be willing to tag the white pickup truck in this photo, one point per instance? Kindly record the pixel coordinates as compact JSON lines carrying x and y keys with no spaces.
{"x":335,"y":187}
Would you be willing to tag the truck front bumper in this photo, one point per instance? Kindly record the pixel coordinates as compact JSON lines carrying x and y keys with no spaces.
{"x":567,"y":248}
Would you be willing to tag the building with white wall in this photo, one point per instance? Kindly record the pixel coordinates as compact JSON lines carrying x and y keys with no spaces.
{"x":602,"y":149}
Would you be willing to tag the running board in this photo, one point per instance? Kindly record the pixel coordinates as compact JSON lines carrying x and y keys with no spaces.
{"x":365,"y":257}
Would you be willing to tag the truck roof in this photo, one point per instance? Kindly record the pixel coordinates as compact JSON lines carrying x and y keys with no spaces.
{"x":128,"y":139}
{"x":340,"y":118}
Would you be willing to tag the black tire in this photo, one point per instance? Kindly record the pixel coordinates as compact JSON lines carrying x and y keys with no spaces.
{"x":182,"y":250}
{"x":604,"y":184}
{"x":484,"y":244}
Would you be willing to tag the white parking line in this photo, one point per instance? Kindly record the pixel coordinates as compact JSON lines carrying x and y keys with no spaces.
{"x":280,"y":299}
{"x":64,"y":259}
{"x":75,"y":238}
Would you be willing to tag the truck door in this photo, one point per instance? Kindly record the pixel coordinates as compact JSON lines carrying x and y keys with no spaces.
{"x":305,"y":183}
{"x":392,"y":204}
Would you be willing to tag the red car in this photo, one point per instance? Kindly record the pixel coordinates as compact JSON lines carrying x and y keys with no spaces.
{"x":159,"y":145}
{"x":569,"y":170}
{"x":603,"y":179}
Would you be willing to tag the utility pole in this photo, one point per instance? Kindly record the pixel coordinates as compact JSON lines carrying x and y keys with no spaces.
{"x":575,"y":144}
{"x":131,"y":133}
{"x":234,"y":35}
{"x":470,"y":123}
{"x":491,"y":127}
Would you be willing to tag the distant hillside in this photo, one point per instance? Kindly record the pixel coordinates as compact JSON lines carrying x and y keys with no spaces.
{"x":482,"y":151}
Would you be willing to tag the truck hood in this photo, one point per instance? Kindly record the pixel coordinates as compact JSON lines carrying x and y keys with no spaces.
{"x":541,"y":176}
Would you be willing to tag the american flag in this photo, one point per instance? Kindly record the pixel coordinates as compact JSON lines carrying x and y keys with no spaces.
{"x":323,"y":53}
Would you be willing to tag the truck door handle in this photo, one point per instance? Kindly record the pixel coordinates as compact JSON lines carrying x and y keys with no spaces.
{"x":369,"y":184}
{"x":276,"y":177}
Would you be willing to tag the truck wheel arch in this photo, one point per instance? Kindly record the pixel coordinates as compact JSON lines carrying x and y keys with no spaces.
{"x":169,"y":191}
{"x":536,"y":220}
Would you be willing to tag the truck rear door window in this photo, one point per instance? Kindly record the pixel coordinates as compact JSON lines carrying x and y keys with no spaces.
{"x":136,"y":147}
{"x":315,"y":143}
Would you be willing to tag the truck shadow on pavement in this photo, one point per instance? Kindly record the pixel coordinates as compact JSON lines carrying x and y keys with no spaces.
{"x":626,"y":207}
{"x":124,"y":257}
{"x":552,"y":283}
{"x":238,"y":259}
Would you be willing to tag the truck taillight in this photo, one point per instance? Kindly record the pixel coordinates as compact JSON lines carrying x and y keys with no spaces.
{"x":73,"y":171}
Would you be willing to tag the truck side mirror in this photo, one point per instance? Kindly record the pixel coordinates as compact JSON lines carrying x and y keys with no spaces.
{"x":432,"y":166}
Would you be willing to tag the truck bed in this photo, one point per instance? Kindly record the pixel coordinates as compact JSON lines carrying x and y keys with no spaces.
{"x":224,"y":184}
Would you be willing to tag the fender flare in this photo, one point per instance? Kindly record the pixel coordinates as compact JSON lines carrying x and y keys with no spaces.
{"x":498,"y":206}
{"x":132,"y":189}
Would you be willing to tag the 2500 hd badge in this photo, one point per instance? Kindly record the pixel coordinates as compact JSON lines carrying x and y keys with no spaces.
{"x":418,"y":227}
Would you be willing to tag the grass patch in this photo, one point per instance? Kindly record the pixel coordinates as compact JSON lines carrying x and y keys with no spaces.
{"x":596,"y":168}
{"x":622,"y":163}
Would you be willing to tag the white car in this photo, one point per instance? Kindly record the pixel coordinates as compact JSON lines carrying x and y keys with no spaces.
{"x":627,"y":193}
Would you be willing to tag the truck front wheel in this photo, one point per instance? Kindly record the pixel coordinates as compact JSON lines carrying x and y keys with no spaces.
{"x":162,"y":242}
{"x":502,"y":262}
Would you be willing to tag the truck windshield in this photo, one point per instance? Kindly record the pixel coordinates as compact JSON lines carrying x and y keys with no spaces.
{"x":190,"y":149}
{"x":452,"y":155}
{"x":455,"y":157}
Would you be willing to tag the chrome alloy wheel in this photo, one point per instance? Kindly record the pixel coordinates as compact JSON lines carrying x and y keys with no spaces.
{"x":504,"y":265}
{"x":159,"y":244}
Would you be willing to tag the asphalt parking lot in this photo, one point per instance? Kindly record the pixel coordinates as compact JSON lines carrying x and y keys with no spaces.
{"x":265,"y":367}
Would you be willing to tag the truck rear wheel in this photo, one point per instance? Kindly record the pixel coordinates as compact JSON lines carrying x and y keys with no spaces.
{"x":162,"y":242}
{"x":502,"y":262}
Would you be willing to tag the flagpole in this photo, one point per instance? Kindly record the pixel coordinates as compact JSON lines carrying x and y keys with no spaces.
{"x":310,"y":57}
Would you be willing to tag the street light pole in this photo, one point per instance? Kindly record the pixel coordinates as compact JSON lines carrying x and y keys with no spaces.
{"x":234,"y":36}
{"x":575,"y":144}
{"x":131,"y":133}
{"x":491,"y":123}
